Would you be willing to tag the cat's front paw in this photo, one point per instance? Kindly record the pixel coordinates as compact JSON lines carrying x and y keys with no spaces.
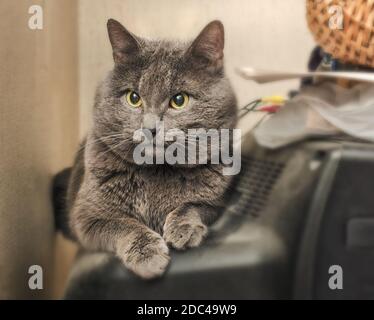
{"x":185,"y":231}
{"x":147,"y":255}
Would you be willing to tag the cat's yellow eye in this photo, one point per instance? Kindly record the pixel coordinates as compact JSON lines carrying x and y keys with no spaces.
{"x":179,"y":101}
{"x":133,"y":99}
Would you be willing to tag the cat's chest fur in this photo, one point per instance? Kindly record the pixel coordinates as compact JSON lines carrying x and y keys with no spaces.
{"x":150,"y":193}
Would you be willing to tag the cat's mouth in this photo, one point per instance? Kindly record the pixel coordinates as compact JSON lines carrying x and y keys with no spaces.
{"x":160,"y":154}
{"x":173,"y":154}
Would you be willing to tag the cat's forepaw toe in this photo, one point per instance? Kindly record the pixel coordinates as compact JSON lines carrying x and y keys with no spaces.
{"x":148,"y":260}
{"x":185,"y":235}
{"x":152,"y":267}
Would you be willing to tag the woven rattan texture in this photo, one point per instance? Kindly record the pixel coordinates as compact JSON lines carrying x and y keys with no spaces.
{"x":354,"y":43}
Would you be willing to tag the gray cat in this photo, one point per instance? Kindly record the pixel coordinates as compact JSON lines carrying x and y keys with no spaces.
{"x":137,"y":211}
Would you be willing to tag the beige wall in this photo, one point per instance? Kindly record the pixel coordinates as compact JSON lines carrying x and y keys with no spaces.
{"x":38,"y":133}
{"x":267,"y":34}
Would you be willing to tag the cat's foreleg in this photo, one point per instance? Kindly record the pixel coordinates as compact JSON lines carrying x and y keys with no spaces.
{"x":142,"y":250}
{"x":186,"y":226}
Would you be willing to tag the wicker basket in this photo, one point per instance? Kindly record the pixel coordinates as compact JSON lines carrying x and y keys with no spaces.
{"x":354,"y":43}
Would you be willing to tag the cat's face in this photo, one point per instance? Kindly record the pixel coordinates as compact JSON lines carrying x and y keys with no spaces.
{"x":181,"y":84}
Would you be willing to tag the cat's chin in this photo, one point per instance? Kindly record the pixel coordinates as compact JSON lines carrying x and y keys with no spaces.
{"x":158,"y":156}
{"x":176,"y":165}
{"x":158,"y":162}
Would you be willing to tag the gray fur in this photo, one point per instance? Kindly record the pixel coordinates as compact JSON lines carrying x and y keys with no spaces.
{"x":130,"y":210}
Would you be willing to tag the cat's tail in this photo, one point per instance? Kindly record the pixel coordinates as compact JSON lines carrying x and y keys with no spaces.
{"x":59,"y":199}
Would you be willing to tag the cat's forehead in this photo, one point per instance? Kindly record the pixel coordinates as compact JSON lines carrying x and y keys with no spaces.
{"x":164,"y":66}
{"x":169,"y":51}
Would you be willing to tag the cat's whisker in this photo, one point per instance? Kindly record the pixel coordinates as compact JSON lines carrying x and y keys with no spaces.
{"x":116,"y":146}
{"x":101,"y":139}
{"x":112,"y":148}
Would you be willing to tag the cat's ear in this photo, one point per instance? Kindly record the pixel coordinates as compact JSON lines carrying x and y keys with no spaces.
{"x":124,"y":44}
{"x":207,"y":48}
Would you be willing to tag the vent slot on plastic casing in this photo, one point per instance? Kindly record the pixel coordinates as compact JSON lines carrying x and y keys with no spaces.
{"x":255,"y":184}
